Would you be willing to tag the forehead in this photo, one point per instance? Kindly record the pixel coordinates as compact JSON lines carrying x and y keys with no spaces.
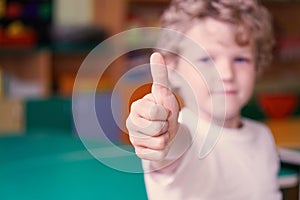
{"x":213,"y":34}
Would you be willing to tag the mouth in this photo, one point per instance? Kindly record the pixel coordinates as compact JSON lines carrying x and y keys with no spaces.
{"x":227,"y":92}
{"x":230,"y":92}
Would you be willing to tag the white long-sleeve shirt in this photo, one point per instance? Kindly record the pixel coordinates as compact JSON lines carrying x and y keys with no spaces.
{"x":243,"y":165}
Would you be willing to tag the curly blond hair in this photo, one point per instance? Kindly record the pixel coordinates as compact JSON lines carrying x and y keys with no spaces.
{"x":252,"y":20}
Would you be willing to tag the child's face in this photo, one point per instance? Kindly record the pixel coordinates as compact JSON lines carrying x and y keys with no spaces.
{"x":235,"y":65}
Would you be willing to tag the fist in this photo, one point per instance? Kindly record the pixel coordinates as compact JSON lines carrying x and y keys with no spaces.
{"x":153,"y":120}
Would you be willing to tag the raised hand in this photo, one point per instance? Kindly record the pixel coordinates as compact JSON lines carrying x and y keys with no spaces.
{"x":152,"y":122}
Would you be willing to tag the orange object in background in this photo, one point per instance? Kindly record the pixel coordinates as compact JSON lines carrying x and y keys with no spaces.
{"x":137,"y":94}
{"x":65,"y":84}
{"x":279,"y":105}
{"x":86,"y":84}
{"x":286,"y":132}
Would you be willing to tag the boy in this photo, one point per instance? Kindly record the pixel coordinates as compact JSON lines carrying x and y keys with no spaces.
{"x":243,"y":164}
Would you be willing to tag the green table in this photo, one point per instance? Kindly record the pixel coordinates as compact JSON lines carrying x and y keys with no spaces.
{"x":57,"y":166}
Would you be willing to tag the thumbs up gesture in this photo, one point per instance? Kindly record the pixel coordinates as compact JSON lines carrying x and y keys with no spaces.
{"x":152,"y":122}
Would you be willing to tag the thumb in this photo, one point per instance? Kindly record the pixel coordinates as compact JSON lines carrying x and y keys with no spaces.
{"x":162,"y":93}
{"x":160,"y":87}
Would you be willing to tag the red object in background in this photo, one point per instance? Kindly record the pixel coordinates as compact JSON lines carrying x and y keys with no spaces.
{"x":278,"y":105}
{"x":289,"y":42}
{"x":14,"y":10}
{"x":27,"y":39}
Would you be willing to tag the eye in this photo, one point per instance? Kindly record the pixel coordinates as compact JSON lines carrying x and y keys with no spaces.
{"x":205,"y":59}
{"x":241,"y":60}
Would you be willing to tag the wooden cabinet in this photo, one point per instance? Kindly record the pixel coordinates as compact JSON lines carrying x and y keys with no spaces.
{"x":40,"y":72}
{"x":110,"y":14}
{"x":27,"y":73}
{"x":47,"y":69}
{"x":11,"y":116}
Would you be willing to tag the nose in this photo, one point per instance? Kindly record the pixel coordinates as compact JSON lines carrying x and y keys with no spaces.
{"x":226,"y":71}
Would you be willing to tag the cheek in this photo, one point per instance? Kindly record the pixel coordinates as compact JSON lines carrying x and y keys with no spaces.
{"x":191,"y":85}
{"x":247,"y":83}
{"x":195,"y":80}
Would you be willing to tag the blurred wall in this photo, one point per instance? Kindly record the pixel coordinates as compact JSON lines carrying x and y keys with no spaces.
{"x":72,"y":12}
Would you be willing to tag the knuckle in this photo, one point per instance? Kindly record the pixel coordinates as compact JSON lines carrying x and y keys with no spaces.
{"x":165,"y":127}
{"x":134,"y":105}
{"x":154,"y":129}
{"x":161,"y":142}
{"x":158,"y":127}
{"x":139,"y":153}
{"x":154,"y":155}
{"x":142,"y":156}
{"x":148,"y":96}
{"x":128,"y":123}
{"x":161,"y":155}
{"x":158,"y":112}
{"x":133,"y":141}
{"x":154,"y":111}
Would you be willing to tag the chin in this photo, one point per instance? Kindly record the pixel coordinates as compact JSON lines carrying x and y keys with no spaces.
{"x":225,"y":115}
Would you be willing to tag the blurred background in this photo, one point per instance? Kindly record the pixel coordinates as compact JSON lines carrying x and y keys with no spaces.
{"x":42,"y":45}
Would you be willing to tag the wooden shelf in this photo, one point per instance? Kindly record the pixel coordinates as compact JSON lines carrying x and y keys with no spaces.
{"x":32,"y":68}
{"x":113,"y":16}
